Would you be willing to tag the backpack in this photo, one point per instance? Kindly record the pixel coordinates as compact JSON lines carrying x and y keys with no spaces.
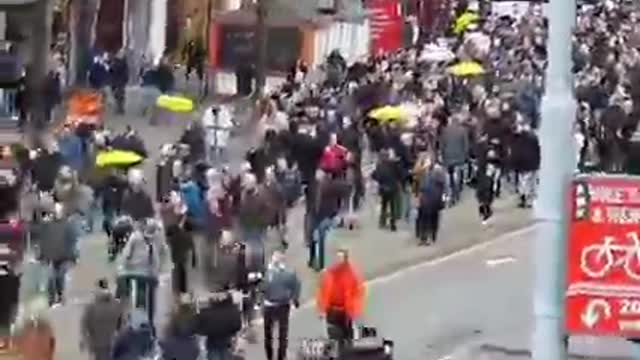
{"x":332,"y":160}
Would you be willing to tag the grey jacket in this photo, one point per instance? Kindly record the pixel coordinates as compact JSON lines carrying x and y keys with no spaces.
{"x":100,"y":322}
{"x":56,"y":240}
{"x":454,"y":143}
{"x":281,"y":286}
{"x":144,"y":257}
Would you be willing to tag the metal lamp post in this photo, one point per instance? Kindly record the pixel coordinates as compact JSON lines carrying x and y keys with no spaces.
{"x":558,"y":116}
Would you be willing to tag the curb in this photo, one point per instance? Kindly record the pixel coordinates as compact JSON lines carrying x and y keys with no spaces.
{"x":504,"y":350}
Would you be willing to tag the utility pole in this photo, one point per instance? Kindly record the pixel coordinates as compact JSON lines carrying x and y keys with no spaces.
{"x":558,"y":164}
{"x":261,"y":38}
{"x":207,"y":40}
{"x":38,"y":67}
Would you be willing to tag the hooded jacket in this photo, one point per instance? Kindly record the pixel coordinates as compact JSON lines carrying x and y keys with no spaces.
{"x":143,"y":256}
{"x":56,"y":240}
{"x":219,"y":322}
{"x":454,"y":144}
{"x":101,"y":321}
{"x":281,"y":286}
{"x":342,"y":289}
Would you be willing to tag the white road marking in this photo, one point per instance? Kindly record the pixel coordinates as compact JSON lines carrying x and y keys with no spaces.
{"x":500,"y":261}
{"x":431,"y":263}
{"x":446,"y":357}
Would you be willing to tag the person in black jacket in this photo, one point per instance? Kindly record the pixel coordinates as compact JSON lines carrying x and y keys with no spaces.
{"x":488,"y":171}
{"x":119,"y":79}
{"x":389,"y":176}
{"x":219,"y":322}
{"x":111,"y":192}
{"x":136,"y":202}
{"x":324,"y":197}
{"x":45,"y":167}
{"x":351,"y":138}
{"x":180,"y":342}
{"x":180,"y":241}
{"x":525,"y":159}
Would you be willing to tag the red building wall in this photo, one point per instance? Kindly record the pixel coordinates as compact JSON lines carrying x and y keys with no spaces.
{"x":386,"y":23}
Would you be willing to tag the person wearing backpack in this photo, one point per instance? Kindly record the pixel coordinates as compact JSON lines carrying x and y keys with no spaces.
{"x":143,"y":260}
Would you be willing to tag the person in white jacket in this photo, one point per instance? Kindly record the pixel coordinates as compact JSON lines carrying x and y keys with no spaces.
{"x":218,"y":124}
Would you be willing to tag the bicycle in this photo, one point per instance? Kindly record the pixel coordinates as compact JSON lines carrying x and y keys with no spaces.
{"x":608,"y":250}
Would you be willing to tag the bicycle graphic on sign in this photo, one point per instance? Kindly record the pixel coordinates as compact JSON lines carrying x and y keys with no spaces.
{"x":598,"y":260}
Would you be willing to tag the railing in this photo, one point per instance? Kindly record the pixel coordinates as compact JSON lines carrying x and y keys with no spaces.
{"x":9,"y":104}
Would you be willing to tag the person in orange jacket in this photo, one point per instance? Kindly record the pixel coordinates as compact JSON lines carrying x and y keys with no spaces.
{"x":340,"y":297}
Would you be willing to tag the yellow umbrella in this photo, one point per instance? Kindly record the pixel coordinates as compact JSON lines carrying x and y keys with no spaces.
{"x":117,"y":158}
{"x":388,"y":113}
{"x":464,"y":21}
{"x":174,"y":103}
{"x":466,"y":68}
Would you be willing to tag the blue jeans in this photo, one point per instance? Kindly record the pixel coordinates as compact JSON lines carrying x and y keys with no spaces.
{"x":407,"y":205}
{"x":218,"y":354}
{"x":95,"y":214}
{"x":145,"y":293}
{"x":318,"y":244}
{"x":57,"y":280}
{"x":77,"y":225}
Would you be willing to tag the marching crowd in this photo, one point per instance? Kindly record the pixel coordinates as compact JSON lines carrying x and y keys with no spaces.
{"x":443,"y":133}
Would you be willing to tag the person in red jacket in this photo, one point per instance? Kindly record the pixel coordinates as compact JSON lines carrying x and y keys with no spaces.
{"x":334,"y":157}
{"x":340,"y":298}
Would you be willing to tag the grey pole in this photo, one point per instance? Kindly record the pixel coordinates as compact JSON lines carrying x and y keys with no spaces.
{"x":558,"y":162}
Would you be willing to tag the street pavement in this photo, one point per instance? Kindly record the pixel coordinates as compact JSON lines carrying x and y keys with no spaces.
{"x":473,"y":304}
{"x":377,"y":252}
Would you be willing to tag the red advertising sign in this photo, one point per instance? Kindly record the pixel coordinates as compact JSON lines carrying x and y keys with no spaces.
{"x":603,"y":288}
{"x":385,"y":19}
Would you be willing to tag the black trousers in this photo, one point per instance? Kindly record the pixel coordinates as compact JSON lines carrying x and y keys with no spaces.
{"x":146,"y":293}
{"x":485,"y":210}
{"x":388,"y":208}
{"x":427,"y":224}
{"x":179,"y":278}
{"x":339,"y":327}
{"x":276,"y":314}
{"x":359,"y":188}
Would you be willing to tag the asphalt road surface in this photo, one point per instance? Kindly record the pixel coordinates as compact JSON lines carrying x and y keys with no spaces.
{"x":431,"y":309}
